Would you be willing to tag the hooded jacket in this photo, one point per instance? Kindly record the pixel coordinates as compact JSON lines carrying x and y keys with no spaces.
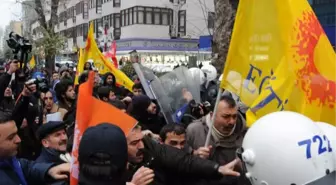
{"x":147,"y":121}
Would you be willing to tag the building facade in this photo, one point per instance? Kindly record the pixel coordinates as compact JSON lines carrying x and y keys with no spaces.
{"x":162,"y":27}
{"x":29,"y":17}
{"x":325,"y":11}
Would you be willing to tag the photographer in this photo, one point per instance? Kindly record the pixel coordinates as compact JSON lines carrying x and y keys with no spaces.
{"x":8,"y":104}
{"x":191,"y":110}
{"x":5,"y":79}
{"x":34,"y":115}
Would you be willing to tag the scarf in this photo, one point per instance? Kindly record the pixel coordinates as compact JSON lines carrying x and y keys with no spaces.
{"x":15,"y":165}
{"x":226,"y":141}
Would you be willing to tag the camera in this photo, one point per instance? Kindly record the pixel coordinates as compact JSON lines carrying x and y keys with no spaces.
{"x":20,"y":48}
{"x":18,"y":43}
{"x":41,"y":84}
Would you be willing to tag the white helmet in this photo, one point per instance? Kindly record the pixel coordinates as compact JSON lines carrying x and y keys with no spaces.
{"x":330,"y":131}
{"x":195,"y":72}
{"x":210,"y":71}
{"x":282,"y":148}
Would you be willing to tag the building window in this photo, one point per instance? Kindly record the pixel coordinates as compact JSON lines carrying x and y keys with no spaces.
{"x":134,"y":9}
{"x":130,"y":16}
{"x":149,"y":15}
{"x":140,"y":17}
{"x":327,"y":19}
{"x":107,"y":21}
{"x":94,"y":25}
{"x":85,"y":31}
{"x":92,"y":4}
{"x":116,"y":33}
{"x":111,"y":20}
{"x":123,"y":18}
{"x":98,"y":24}
{"x":323,"y":1}
{"x":165,"y":17}
{"x":99,"y":6}
{"x":116,"y":20}
{"x":85,"y":9}
{"x":116,"y":3}
{"x":79,"y":7}
{"x":80,"y":30}
{"x":127,"y":15}
{"x":178,"y":1}
{"x":146,"y":15}
{"x":157,"y":16}
{"x":182,"y":22}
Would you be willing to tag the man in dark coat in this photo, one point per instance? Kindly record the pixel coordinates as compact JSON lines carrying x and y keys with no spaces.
{"x":167,"y":161}
{"x":54,"y":140}
{"x":15,"y":171}
{"x":146,"y":112}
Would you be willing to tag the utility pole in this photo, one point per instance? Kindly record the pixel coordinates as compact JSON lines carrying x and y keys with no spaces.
{"x":177,"y":5}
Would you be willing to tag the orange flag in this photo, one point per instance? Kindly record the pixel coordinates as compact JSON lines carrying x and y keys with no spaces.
{"x":90,"y":112}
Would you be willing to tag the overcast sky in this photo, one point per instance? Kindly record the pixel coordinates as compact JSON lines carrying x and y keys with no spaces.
{"x":9,"y":10}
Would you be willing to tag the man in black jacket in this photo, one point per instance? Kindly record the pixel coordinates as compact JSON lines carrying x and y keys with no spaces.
{"x":143,"y":151}
{"x":54,"y":140}
{"x":15,"y":171}
{"x":6,"y":78}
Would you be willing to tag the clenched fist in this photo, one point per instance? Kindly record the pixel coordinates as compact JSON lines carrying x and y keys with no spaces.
{"x":203,"y":152}
{"x":143,"y":176}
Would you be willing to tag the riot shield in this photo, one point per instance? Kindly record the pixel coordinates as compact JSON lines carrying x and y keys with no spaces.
{"x":146,"y":76}
{"x":176,"y":81}
{"x":154,"y":90}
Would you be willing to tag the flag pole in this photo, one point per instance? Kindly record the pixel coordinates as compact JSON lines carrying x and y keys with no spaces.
{"x":219,"y":95}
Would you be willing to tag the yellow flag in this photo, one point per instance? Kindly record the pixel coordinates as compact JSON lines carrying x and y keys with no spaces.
{"x":281,"y":59}
{"x":32,"y":62}
{"x":91,"y":51}
{"x":80,"y":65}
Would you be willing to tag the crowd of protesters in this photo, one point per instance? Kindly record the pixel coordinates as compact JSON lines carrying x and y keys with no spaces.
{"x":35,"y":149}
